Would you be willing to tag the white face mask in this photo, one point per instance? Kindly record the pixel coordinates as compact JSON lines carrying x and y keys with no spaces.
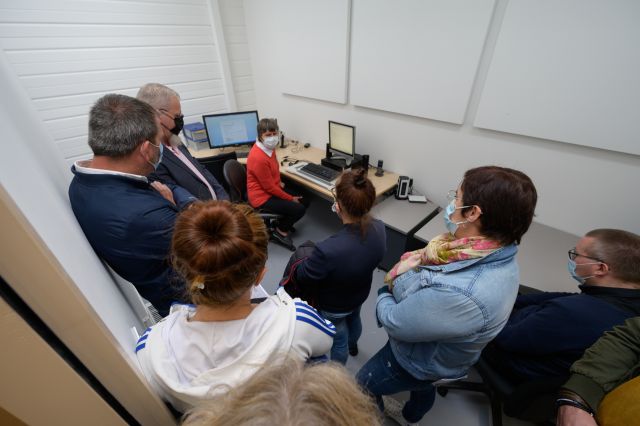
{"x":270,"y":142}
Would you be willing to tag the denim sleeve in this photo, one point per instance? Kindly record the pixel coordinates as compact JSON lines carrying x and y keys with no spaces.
{"x":434,"y":313}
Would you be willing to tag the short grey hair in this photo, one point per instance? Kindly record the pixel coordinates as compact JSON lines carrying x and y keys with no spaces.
{"x":157,"y":95}
{"x":118,"y":124}
{"x":267,"y":125}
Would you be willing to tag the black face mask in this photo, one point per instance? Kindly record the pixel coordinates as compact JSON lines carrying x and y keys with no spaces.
{"x":179,"y":124}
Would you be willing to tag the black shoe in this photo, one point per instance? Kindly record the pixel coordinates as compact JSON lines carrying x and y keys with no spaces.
{"x":283,"y":240}
{"x":353,"y":350}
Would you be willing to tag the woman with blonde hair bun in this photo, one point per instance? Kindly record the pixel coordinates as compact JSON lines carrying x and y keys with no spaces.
{"x":290,"y":394}
{"x":201,"y":350}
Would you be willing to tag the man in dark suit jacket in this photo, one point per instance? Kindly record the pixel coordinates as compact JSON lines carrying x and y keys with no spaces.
{"x":178,"y":166}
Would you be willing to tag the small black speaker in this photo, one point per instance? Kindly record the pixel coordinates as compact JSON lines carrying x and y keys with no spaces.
{"x":328,"y":153}
{"x":379,"y":171}
{"x":365,"y":161}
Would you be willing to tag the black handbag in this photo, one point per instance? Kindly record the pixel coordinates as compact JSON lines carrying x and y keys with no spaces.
{"x":304,"y":291}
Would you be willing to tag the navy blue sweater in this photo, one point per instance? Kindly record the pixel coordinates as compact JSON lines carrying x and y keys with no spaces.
{"x":547,"y":332}
{"x":341,"y":267}
{"x":130,"y":225}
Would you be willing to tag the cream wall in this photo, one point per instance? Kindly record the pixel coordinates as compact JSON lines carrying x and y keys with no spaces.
{"x":580,"y":188}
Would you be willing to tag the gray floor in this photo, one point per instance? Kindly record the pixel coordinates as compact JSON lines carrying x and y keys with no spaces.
{"x":457,"y":408}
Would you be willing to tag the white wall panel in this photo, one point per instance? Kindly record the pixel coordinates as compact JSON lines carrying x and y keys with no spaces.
{"x":417,"y":57}
{"x":67,"y":54}
{"x":312,"y":50}
{"x":567,"y":71}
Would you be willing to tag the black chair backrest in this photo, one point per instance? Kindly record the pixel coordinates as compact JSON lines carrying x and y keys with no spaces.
{"x":236,"y":177}
{"x":215,"y":164}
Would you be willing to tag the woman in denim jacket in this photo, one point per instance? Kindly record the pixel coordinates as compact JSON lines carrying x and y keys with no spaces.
{"x":444,"y":303}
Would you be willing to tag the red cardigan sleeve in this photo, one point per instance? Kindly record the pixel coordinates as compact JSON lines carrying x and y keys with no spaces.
{"x":262,"y":169}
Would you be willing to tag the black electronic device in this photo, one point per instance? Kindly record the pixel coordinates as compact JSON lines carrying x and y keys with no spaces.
{"x":379,"y":171}
{"x":405,"y":183}
{"x":360,"y":162}
{"x":321,"y":172}
{"x":365,"y":161}
{"x":328,"y":151}
{"x":282,"y":144}
{"x":336,"y":163}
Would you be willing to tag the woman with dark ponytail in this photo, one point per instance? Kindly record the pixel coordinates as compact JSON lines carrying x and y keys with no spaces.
{"x":340,"y":268}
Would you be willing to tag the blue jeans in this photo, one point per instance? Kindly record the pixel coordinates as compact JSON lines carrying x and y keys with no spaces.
{"x":348,"y":331}
{"x":382,"y":375}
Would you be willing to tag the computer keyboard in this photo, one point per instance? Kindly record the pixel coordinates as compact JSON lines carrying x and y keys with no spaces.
{"x":319,"y":171}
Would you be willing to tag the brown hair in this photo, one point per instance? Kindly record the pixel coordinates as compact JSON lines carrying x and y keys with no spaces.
{"x":222,"y":246}
{"x":290,"y":394}
{"x":507,"y":198}
{"x":356,"y":194}
{"x":620,"y":250}
{"x":267,"y":125}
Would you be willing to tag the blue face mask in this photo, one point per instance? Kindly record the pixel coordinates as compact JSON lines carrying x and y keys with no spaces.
{"x":157,"y":163}
{"x":452,"y":226}
{"x":571,"y":266}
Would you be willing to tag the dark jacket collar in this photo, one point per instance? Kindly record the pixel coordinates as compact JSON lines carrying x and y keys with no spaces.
{"x":626,"y":299}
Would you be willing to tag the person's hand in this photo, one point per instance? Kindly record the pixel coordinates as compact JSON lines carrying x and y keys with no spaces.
{"x":164,"y":191}
{"x":297,"y":199}
{"x":573,"y":416}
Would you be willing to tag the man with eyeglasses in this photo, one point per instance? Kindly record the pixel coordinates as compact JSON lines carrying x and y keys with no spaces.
{"x":548,"y":331}
{"x":178,"y":166}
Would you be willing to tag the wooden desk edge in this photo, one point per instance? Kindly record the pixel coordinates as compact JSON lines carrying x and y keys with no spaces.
{"x":312,"y":154}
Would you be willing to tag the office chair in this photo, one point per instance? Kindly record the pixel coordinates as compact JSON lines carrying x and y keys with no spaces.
{"x":236,"y":177}
{"x":532,"y":401}
{"x":215,"y":165}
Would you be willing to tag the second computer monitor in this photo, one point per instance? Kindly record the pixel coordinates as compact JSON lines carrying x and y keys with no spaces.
{"x":231,"y":129}
{"x":342,"y":138}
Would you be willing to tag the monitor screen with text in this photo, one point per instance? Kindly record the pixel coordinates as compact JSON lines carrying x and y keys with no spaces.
{"x":231,"y":129}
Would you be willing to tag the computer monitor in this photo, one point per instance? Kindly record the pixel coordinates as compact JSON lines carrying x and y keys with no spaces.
{"x":342,"y":138}
{"x":231,"y":129}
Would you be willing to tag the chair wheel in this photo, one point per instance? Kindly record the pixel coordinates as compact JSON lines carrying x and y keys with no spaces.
{"x":442,"y":391}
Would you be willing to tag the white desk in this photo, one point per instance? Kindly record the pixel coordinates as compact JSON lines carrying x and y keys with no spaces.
{"x":402,"y":220}
{"x":542,"y":255}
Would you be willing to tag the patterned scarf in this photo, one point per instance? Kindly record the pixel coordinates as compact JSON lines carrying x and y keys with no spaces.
{"x":441,"y":250}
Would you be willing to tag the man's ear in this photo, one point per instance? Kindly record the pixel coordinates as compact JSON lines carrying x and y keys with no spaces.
{"x":144,"y":149}
{"x":602,"y":269}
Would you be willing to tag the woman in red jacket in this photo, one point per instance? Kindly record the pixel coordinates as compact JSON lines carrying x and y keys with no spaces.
{"x":264,"y":188}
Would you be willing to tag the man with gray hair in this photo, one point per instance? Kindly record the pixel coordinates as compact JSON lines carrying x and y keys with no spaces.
{"x":178,"y":166}
{"x":128,"y":221}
